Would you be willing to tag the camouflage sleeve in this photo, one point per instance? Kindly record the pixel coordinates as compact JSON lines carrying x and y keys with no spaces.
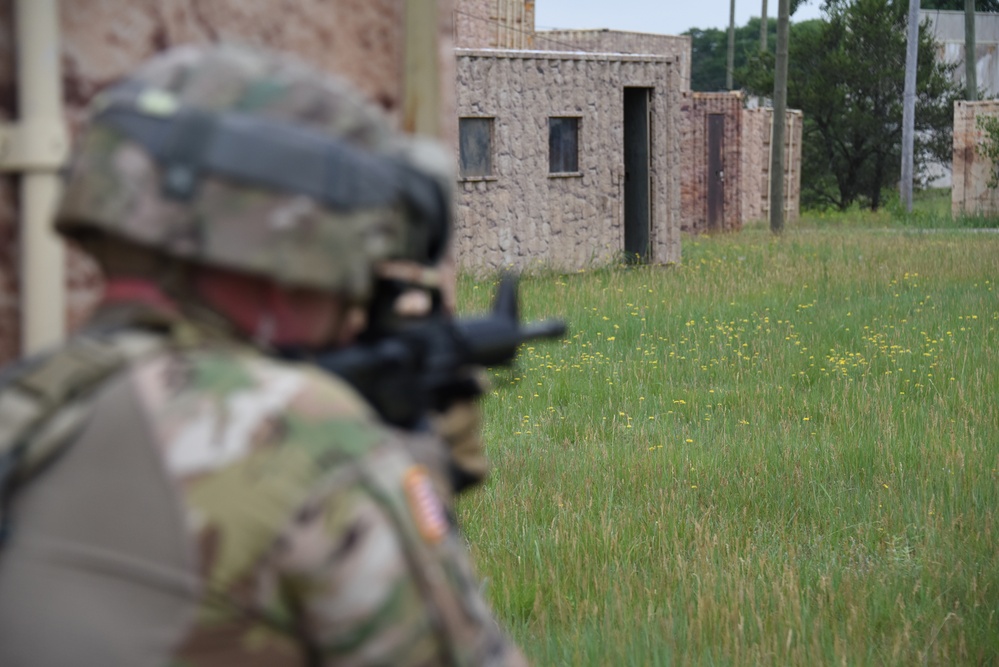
{"x":314,"y":528}
{"x":377,"y":575}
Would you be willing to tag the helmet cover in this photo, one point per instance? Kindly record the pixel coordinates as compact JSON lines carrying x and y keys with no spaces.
{"x":240,"y":159}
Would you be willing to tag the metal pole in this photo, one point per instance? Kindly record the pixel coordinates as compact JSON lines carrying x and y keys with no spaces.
{"x":43,"y":302}
{"x":970,"y":53}
{"x":730,"y":64}
{"x":909,"y":105}
{"x":763,"y":27}
{"x":779,"y":121}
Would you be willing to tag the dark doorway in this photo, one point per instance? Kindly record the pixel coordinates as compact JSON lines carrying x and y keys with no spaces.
{"x":637,"y":199}
{"x":716,"y":170}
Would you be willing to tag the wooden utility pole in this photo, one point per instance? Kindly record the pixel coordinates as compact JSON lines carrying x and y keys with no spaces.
{"x":763,"y":27}
{"x":730,"y":64}
{"x":970,"y":52}
{"x":780,"y":120}
{"x":909,"y":105}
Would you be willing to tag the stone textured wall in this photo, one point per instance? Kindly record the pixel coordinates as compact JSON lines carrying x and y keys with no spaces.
{"x":616,"y":41}
{"x":103,"y":39}
{"x":757,"y":126}
{"x":521,"y":216}
{"x":494,"y":24}
{"x":696,"y":108}
{"x":971,"y":193}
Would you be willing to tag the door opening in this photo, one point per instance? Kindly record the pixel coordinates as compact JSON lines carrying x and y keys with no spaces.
{"x":716,"y":171}
{"x":637,"y":174}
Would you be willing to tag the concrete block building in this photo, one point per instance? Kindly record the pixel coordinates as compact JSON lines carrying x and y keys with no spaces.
{"x":566,"y":158}
{"x":651,"y":158}
{"x":726,"y":152}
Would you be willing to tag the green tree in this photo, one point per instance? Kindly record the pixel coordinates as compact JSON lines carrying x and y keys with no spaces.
{"x":709,"y":51}
{"x":846,"y":74}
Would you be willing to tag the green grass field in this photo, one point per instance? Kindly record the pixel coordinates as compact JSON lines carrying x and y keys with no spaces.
{"x":781,"y":451}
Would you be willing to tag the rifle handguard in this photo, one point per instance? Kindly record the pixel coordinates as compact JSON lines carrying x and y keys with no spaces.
{"x":427,"y":366}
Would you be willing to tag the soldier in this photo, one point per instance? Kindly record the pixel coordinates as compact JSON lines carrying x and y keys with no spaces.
{"x":173,"y":493}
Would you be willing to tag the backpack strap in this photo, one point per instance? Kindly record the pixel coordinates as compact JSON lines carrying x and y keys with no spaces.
{"x":45,"y":400}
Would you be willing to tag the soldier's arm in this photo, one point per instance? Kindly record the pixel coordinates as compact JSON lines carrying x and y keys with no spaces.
{"x":375,"y":573}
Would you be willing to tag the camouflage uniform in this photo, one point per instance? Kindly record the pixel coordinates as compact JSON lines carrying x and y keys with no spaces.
{"x":213,"y":505}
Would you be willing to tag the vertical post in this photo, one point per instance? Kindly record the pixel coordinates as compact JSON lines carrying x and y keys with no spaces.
{"x":43,"y":302}
{"x":970,"y":52}
{"x":422,"y":104}
{"x":779,"y":120}
{"x":909,"y":105}
{"x":763,"y":27}
{"x":730,"y":63}
{"x":421,"y":111}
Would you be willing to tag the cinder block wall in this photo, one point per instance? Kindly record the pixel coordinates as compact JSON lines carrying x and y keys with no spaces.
{"x":521,"y":216}
{"x":676,"y":47}
{"x":696,"y":108}
{"x":970,"y":193}
{"x":362,"y":40}
{"x":757,"y":127}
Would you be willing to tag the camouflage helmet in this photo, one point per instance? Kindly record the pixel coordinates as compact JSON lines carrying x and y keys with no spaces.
{"x":235,"y":158}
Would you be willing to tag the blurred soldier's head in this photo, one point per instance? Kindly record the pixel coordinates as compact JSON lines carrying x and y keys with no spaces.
{"x":255,"y":185}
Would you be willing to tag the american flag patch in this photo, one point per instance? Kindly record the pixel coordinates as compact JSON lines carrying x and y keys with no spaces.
{"x":426,"y":506}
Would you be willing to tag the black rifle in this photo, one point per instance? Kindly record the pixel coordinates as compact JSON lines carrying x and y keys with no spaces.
{"x":425,"y":366}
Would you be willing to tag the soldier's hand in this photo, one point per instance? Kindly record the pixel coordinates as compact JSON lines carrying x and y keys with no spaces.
{"x":460,"y":426}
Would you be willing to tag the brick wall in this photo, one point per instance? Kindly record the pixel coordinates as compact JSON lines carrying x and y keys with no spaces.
{"x":102,"y":40}
{"x":745,"y":158}
{"x":522,"y":215}
{"x":970,"y":193}
{"x":696,"y":109}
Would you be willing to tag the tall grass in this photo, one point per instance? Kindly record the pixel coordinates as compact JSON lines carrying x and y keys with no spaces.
{"x":781,"y":451}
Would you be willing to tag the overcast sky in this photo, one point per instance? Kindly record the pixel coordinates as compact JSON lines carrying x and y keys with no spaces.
{"x":668,"y":17}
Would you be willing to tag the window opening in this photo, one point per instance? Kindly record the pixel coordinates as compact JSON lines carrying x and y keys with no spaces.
{"x":563,"y":145}
{"x":475,"y":138}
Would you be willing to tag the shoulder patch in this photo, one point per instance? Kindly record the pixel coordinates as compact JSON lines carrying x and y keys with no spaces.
{"x":425,"y":505}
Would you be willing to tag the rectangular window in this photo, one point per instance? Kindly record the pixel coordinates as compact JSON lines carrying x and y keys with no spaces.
{"x":563,"y":145}
{"x":475,"y":139}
